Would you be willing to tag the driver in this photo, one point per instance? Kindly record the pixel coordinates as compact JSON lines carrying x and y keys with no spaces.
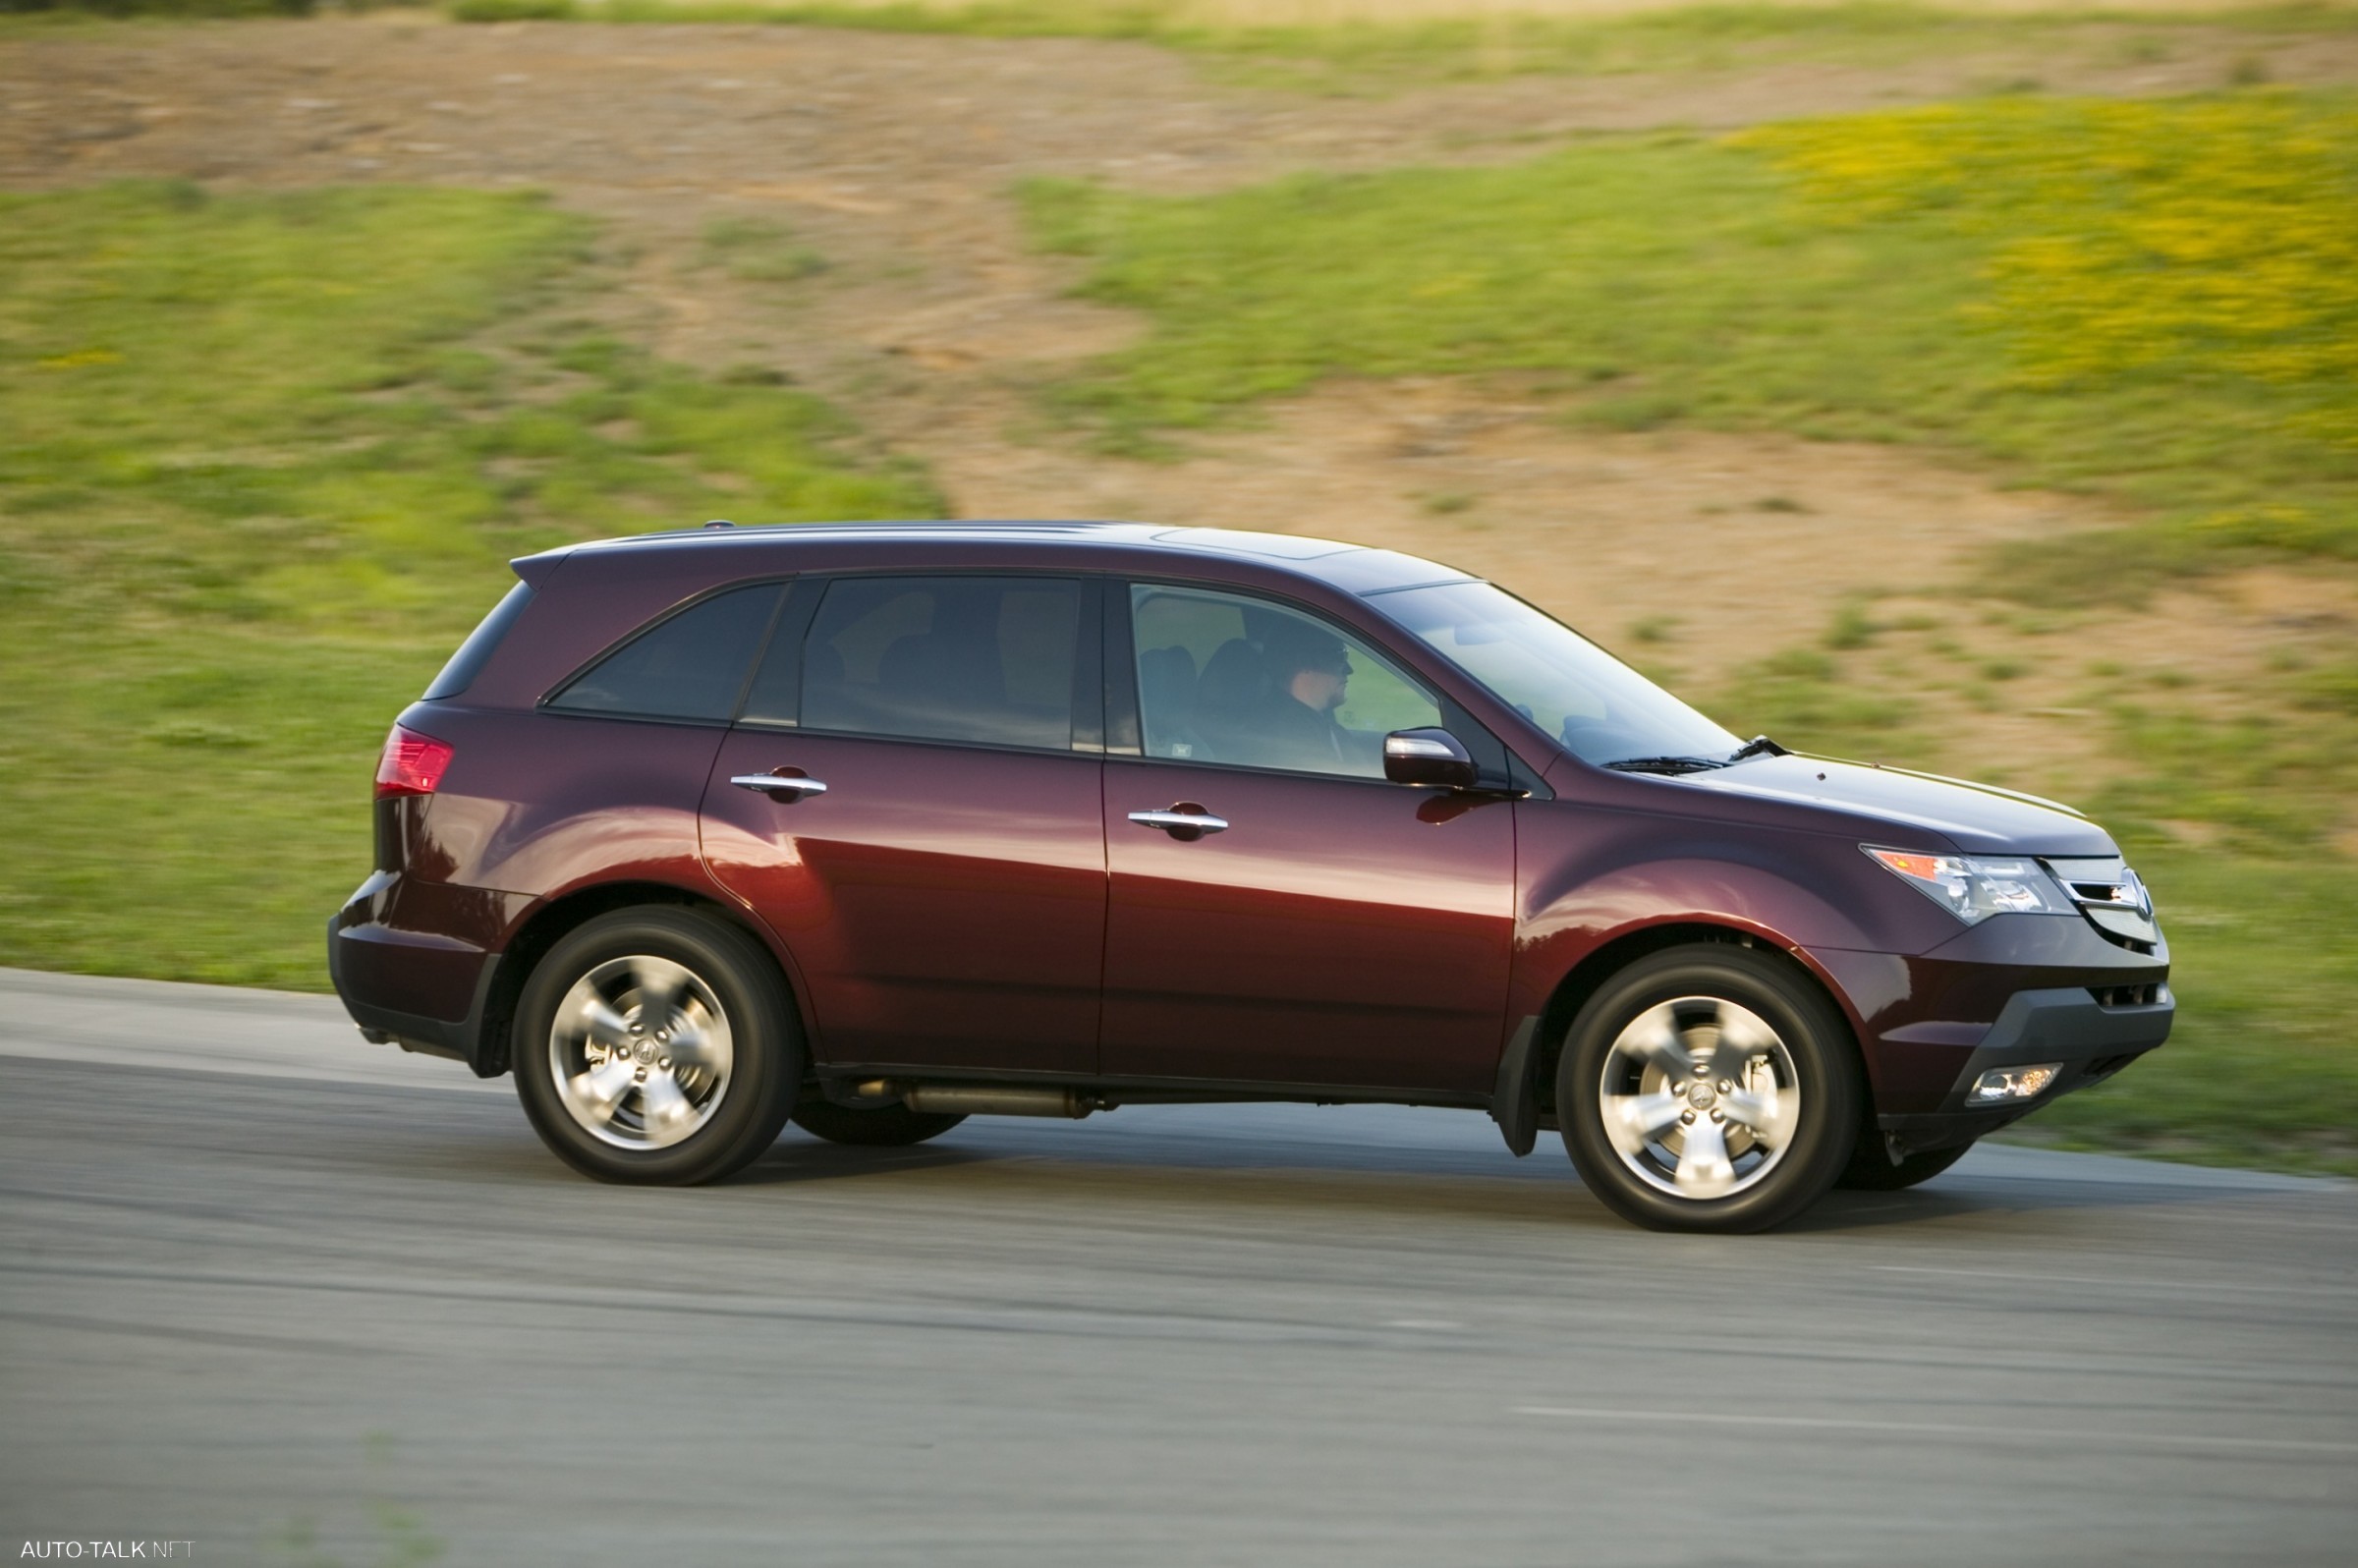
{"x":1309,"y":673}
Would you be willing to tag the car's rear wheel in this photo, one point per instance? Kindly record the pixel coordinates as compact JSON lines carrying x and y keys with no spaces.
{"x":656,"y":1046}
{"x":1708,"y":1089}
{"x":871,"y":1127}
{"x":1871,"y":1170}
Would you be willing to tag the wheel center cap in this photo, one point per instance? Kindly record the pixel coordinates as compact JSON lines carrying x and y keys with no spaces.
{"x":646,"y":1052}
{"x":1699,"y":1095}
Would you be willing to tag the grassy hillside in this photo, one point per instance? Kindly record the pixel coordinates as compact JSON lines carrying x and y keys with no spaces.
{"x":2155,"y":302}
{"x":268,"y":456}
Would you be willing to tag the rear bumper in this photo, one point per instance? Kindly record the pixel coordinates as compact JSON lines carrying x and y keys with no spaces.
{"x":421,"y":990}
{"x":2066,"y":1025}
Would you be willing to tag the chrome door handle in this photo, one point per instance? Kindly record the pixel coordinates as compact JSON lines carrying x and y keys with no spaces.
{"x":1182,"y":824}
{"x":774,"y":785}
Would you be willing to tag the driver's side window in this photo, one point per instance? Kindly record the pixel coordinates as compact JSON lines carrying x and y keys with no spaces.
{"x":1228,"y":678}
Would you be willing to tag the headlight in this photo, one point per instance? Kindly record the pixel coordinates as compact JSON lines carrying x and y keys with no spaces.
{"x":1974,"y":887}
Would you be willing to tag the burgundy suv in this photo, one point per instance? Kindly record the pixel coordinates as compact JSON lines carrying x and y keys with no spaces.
{"x":878,"y":826}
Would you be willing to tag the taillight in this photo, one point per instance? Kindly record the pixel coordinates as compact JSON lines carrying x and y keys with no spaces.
{"x":413,"y":764}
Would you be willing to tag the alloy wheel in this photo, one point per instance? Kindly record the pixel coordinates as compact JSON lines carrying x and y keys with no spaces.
{"x":641,"y":1051}
{"x":1700,"y":1098}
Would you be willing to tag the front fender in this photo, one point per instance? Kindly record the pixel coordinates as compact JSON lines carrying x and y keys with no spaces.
{"x":1588,"y":879}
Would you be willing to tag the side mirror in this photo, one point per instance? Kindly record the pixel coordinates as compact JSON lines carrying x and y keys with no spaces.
{"x":1435,"y":758}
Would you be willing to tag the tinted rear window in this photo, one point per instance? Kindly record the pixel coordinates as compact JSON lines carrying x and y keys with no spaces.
{"x":985,"y":659}
{"x":476,"y":652}
{"x":689,"y":666}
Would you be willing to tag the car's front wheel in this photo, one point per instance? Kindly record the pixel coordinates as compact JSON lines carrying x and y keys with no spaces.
{"x":1708,"y":1088}
{"x":656,"y":1046}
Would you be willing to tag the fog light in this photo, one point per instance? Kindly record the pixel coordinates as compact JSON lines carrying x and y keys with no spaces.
{"x":2012,"y":1082}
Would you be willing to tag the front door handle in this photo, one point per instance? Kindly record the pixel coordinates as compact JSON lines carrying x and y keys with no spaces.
{"x":1186,"y":821}
{"x":784,"y":788}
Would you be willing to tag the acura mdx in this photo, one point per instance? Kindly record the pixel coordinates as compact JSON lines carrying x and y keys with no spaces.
{"x":877,"y":826}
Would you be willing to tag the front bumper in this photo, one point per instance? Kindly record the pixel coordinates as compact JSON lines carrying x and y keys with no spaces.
{"x":2068,"y":1025}
{"x":2011,"y":992}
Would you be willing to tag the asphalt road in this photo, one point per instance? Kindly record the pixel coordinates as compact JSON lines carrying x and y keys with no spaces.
{"x":299,"y":1299}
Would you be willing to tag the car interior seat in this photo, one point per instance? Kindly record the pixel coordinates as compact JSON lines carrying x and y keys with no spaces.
{"x":1232,"y":695}
{"x":1167,"y":692}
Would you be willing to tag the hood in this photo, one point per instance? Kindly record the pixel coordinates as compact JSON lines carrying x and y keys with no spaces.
{"x":1975,"y":819}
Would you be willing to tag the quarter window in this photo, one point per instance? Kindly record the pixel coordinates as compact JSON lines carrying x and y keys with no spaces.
{"x":476,"y":652}
{"x":989,"y":660}
{"x":1224,"y":678}
{"x":691,"y":666}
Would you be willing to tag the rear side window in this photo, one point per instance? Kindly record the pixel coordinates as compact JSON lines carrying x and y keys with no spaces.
{"x":989,"y":660}
{"x":476,"y":652}
{"x":689,"y":666}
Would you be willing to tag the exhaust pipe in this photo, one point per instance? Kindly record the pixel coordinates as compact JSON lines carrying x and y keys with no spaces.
{"x":987,"y":1099}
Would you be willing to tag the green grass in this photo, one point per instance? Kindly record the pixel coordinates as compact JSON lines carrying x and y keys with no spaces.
{"x":2265,"y":780}
{"x":2154,"y":302}
{"x":760,"y":251}
{"x":1655,"y":278}
{"x":2258,"y":1070}
{"x":1803,"y":697}
{"x":268,"y":456}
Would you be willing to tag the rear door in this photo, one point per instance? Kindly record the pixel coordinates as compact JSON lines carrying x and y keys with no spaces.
{"x":943,"y":896}
{"x":1339,"y":930}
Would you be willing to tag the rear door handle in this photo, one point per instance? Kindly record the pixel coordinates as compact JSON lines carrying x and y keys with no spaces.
{"x":782,"y":788}
{"x":1186,"y":821}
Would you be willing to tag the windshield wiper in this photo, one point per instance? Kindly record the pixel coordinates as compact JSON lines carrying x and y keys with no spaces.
{"x":1758,"y":746}
{"x":1663,"y":764}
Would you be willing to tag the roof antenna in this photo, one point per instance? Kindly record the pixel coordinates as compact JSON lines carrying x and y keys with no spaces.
{"x":720,"y":523}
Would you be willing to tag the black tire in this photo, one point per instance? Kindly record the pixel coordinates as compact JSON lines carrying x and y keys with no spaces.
{"x":739,"y":981}
{"x":1817,"y":1055}
{"x":872,"y":1127}
{"x":1871,"y":1170}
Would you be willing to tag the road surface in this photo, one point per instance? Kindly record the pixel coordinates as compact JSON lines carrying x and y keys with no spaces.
{"x":295,"y":1297}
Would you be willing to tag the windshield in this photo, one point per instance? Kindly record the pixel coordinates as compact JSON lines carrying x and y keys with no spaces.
{"x":1601,"y":709}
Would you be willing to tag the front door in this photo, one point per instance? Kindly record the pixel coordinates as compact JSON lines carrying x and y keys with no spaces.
{"x":944,"y":897}
{"x":1339,"y":930}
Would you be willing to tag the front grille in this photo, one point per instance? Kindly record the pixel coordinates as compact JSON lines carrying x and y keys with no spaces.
{"x":2111,"y":898}
{"x":2145,"y":996}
